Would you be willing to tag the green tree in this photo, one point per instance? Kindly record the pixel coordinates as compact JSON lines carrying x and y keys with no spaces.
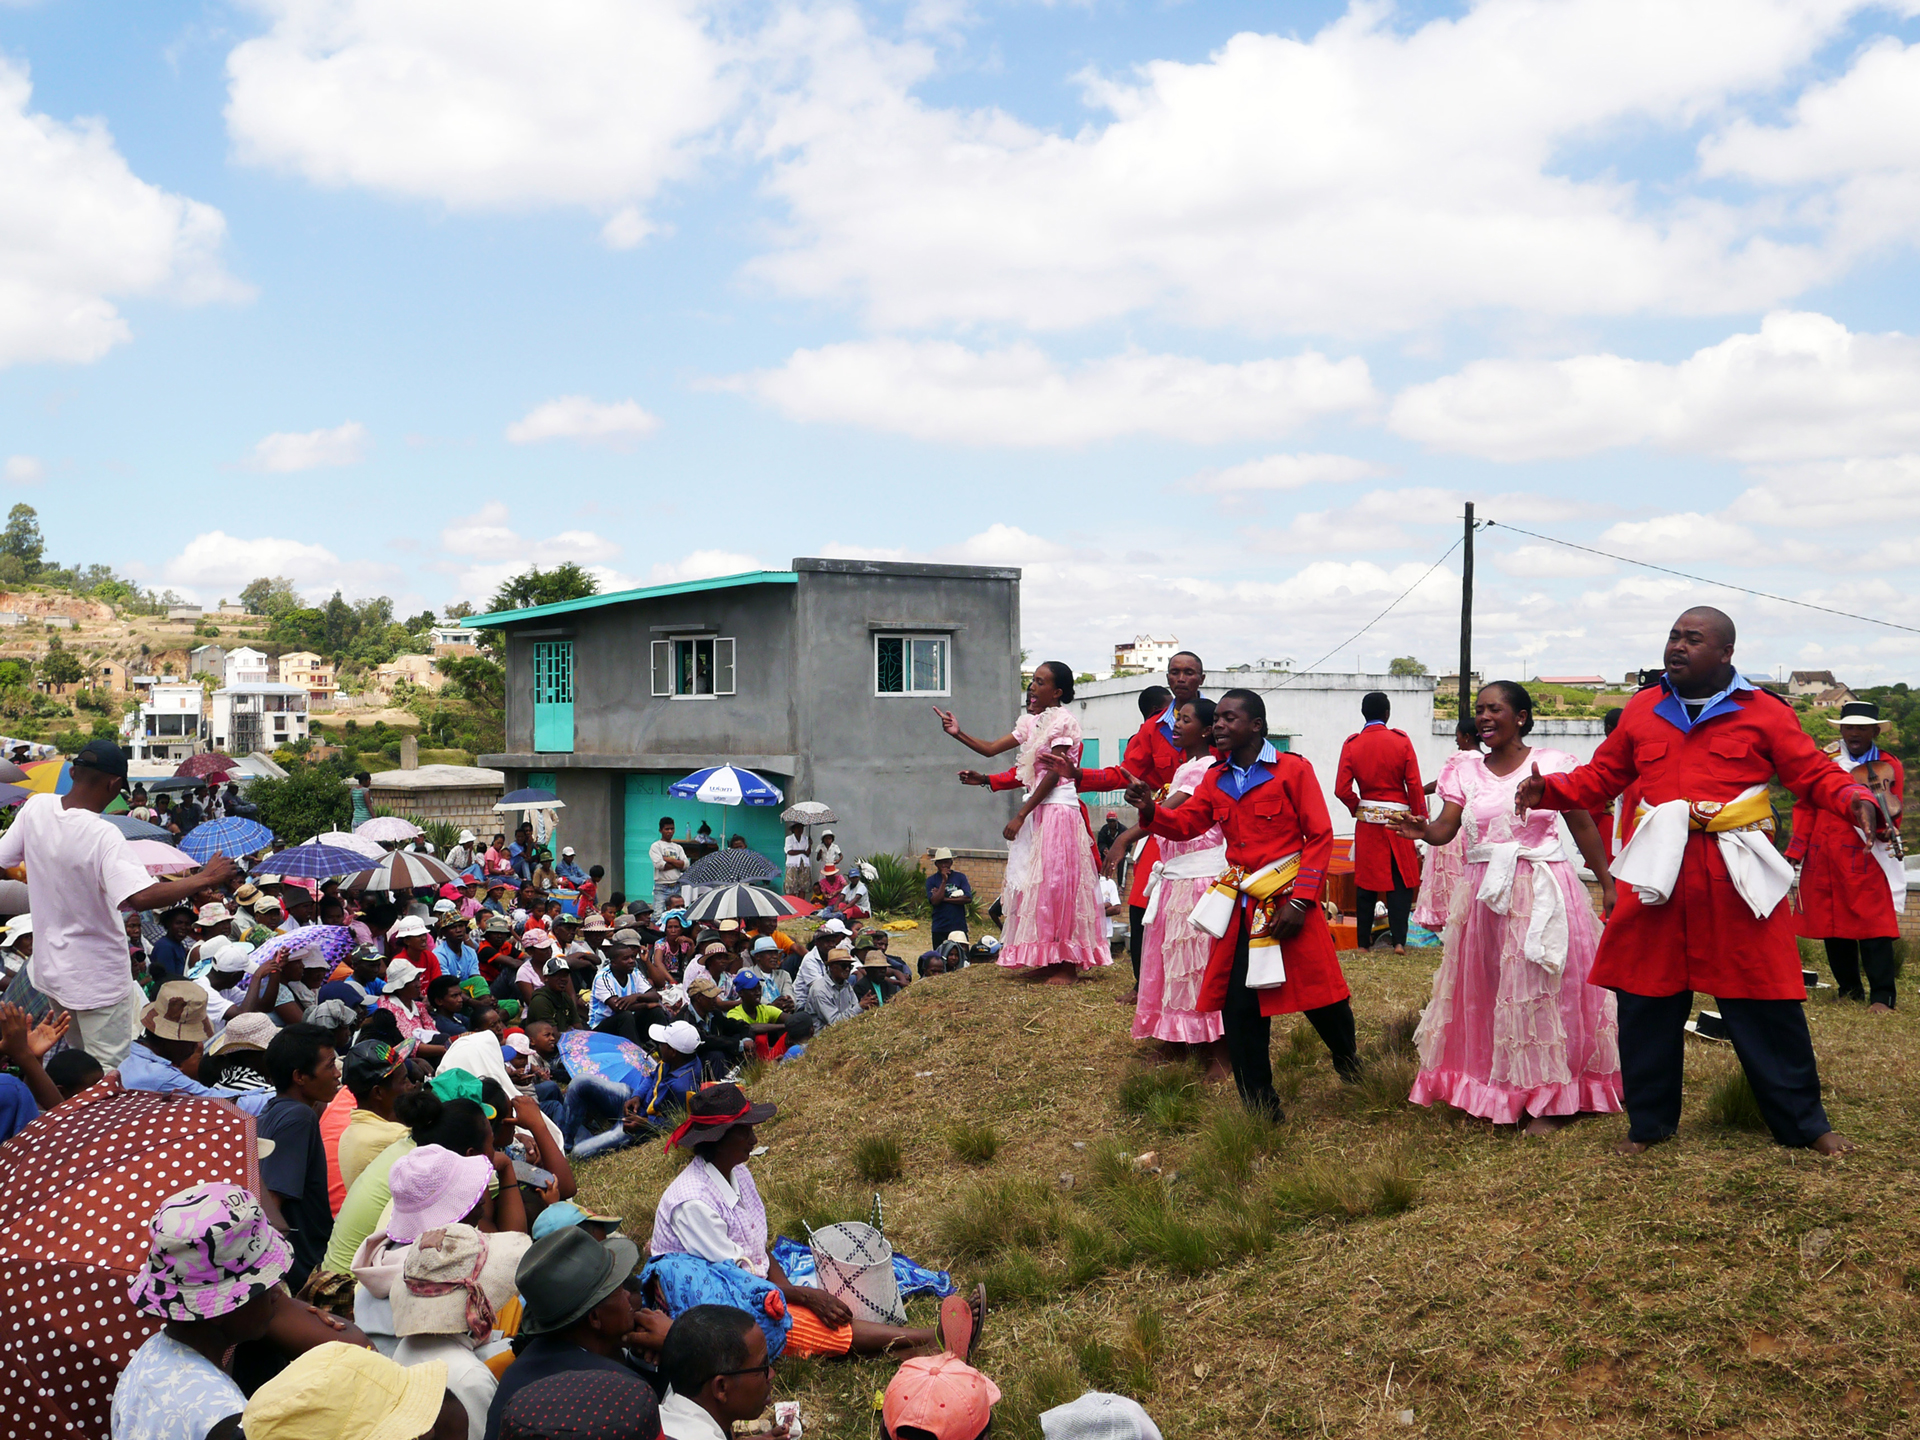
{"x":60,"y":667}
{"x":310,"y":801}
{"x":272,"y":597}
{"x":460,"y":610}
{"x":1405,"y":665}
{"x":22,"y":538}
{"x":476,"y":679}
{"x":566,"y":581}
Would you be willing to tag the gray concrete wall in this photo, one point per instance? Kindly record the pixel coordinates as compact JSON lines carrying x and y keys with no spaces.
{"x":883,"y":762}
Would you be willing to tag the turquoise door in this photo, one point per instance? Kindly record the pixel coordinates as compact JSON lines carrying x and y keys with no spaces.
{"x":553,"y":696}
{"x":547,"y":780}
{"x":648,"y":802}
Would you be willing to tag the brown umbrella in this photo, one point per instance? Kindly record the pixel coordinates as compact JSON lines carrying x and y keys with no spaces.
{"x":212,"y":762}
{"x":78,"y":1189}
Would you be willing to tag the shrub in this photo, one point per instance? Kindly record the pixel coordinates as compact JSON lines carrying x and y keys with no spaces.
{"x":1001,"y":1215}
{"x":973,"y":1144}
{"x":443,"y":835}
{"x":877,"y":1158}
{"x":900,"y":888}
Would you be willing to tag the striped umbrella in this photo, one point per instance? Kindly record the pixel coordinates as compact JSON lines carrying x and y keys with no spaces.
{"x":315,"y":862}
{"x":403,"y":871}
{"x":726,"y":785}
{"x":387,"y":827}
{"x":138,"y":829}
{"x":161,"y":858}
{"x":739,"y":902}
{"x":232,"y":836}
{"x":730,"y":867}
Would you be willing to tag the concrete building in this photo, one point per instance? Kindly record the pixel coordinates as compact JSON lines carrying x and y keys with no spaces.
{"x":461,"y":795}
{"x":1809,"y":682}
{"x":258,"y":717}
{"x":310,"y":673}
{"x":111,"y":675}
{"x":167,"y":726}
{"x":248,"y":666}
{"x":1309,"y":714}
{"x":1145,"y":653}
{"x":417,"y":670}
{"x":820,"y":678}
{"x":208,"y":660}
{"x":1833,"y":698}
{"x":183,"y":612}
{"x":451,"y":638}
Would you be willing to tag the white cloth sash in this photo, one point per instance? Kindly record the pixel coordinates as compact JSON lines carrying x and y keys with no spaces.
{"x":1213,"y":912}
{"x":1650,"y":863}
{"x":1064,"y":793}
{"x":1382,"y":812}
{"x":1195,"y":865}
{"x":1546,"y":943}
{"x":1883,"y":856}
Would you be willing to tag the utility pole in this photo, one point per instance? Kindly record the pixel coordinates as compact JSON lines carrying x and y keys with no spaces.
{"x":1466,"y":622}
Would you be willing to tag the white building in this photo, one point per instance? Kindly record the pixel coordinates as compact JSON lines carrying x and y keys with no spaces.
{"x":247,"y":666}
{"x":1145,"y":652}
{"x":167,"y":725}
{"x":258,"y":717}
{"x":1311,"y":715}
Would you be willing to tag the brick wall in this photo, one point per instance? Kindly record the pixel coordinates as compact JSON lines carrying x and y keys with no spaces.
{"x":470,"y":808}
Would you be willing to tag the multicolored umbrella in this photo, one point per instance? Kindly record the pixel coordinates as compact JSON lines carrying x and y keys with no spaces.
{"x":315,"y":862}
{"x":161,"y":858}
{"x":726,"y":785}
{"x":51,"y":776}
{"x":387,"y":827}
{"x":403,"y":870}
{"x":730,"y":867}
{"x":605,"y":1057}
{"x":138,"y":829}
{"x":232,"y":836}
{"x":739,"y":902}
{"x":359,"y":844}
{"x":211,"y":762}
{"x":334,"y":942}
{"x":78,"y":1189}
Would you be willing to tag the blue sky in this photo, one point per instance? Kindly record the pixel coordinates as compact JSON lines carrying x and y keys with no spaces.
{"x":1209,"y":316}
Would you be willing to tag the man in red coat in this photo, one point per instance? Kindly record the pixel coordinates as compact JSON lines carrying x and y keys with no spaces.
{"x":1846,"y":885}
{"x":1702,"y":899}
{"x":1381,"y":763}
{"x":1271,"y":809}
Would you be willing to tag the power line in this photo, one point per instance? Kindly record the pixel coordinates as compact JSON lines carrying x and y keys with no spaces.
{"x":1376,"y":619}
{"x":1702,"y":580}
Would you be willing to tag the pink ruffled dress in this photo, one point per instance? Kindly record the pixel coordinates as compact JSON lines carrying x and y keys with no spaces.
{"x":1514,"y":1028}
{"x":1173,"y":950}
{"x":1051,"y":897}
{"x":1441,"y":870}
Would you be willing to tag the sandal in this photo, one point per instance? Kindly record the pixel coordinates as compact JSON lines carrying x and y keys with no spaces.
{"x":961,"y":1320}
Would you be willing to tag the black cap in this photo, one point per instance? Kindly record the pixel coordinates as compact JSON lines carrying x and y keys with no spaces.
{"x":104,"y":756}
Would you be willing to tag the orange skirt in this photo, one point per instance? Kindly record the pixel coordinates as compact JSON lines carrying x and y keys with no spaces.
{"x":810,"y":1335}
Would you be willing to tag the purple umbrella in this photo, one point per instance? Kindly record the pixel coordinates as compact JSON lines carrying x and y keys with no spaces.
{"x":334,"y":942}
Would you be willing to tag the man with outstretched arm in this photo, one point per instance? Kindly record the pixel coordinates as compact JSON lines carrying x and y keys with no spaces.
{"x":1701,"y":887}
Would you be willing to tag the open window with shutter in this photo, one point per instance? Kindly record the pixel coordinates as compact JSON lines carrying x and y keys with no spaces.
{"x":723,"y":665}
{"x":694,"y":667}
{"x":663,"y":667}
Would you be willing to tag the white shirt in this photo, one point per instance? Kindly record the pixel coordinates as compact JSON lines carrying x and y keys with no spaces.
{"x":468,"y":1378}
{"x":459,"y":857}
{"x":1110,"y":895}
{"x":830,"y":854}
{"x":699,"y":1227}
{"x":797,"y":850}
{"x":668,"y":861}
{"x":80,"y":871}
{"x":681,"y":1419}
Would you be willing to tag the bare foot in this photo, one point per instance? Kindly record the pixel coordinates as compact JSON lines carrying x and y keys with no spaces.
{"x":1548,"y":1124}
{"x":1066,"y":979}
{"x":1831,"y":1144}
{"x":1218,"y":1073}
{"x":1878,"y":1009}
{"x":1638,"y":1147}
{"x":1132,"y":997}
{"x":1399,"y":949}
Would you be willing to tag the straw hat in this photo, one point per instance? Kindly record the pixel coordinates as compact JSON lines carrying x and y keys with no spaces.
{"x":178,"y":1011}
{"x":455,"y":1280}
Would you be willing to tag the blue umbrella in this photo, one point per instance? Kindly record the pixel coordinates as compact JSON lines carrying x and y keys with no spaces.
{"x":592,"y":1053}
{"x":137,"y":829}
{"x":313,"y":862}
{"x":726,"y":785}
{"x":529,"y":797}
{"x":231,"y":836}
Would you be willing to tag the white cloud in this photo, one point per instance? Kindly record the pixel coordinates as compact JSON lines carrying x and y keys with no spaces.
{"x":943,"y":391}
{"x":1803,"y":387}
{"x":80,"y":230}
{"x":215,"y":562}
{"x":576,"y":417}
{"x":1548,"y":562}
{"x":1375,"y":177}
{"x":702,"y":565}
{"x":23,"y":470}
{"x":284,"y":452}
{"x":1284,"y":472}
{"x":493,"y":104}
{"x":1880,"y":491}
{"x":497,"y":552}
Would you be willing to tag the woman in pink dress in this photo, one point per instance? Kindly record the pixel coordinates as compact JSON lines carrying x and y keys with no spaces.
{"x":1054,"y":925}
{"x":1444,"y":863}
{"x":1173,"y":950}
{"x":1514,"y":1032}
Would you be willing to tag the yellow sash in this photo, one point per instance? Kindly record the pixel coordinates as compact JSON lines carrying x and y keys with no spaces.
{"x":1750,"y":811}
{"x":1261,"y":886}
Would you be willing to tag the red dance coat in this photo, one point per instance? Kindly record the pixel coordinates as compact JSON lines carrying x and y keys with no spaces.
{"x":1284,"y":814}
{"x":1149,"y":756}
{"x":1705,"y":937}
{"x":1843,"y":890}
{"x":1382,"y":763}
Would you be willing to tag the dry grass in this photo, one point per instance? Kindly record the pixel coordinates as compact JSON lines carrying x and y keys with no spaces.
{"x":1365,"y":1258}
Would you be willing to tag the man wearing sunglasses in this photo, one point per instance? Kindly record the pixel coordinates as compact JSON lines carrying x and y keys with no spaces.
{"x":717,"y":1371}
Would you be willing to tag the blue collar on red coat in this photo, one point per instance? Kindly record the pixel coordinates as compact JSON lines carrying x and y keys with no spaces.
{"x":1675,"y":714}
{"x":1236,"y":782}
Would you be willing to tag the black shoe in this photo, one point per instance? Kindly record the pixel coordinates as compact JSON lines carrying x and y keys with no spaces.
{"x":1348,"y":1069}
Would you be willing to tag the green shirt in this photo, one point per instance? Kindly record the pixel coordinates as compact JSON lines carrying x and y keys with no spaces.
{"x":559,"y":1008}
{"x":360,"y":1212}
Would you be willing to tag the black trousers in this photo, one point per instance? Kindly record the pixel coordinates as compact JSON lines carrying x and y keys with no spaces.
{"x":1846,"y":958}
{"x":1769,"y":1036}
{"x":1399,"y":908}
{"x":1249,"y":1037}
{"x":1136,"y":927}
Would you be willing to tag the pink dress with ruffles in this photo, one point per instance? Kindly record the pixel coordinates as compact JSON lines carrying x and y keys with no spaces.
{"x":1173,"y":950}
{"x":1513,"y":1027}
{"x":1051,"y":897}
{"x":1440,"y":872}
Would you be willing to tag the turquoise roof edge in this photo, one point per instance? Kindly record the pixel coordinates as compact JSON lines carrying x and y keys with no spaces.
{"x":620,"y":597}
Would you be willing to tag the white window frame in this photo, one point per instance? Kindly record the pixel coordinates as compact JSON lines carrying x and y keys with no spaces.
{"x":666,"y":668}
{"x":906,"y":639}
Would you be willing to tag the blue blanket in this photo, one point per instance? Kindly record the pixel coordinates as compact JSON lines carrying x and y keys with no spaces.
{"x":797,"y":1260}
{"x":687,"y":1280}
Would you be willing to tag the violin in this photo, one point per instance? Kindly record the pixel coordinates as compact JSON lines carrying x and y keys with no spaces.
{"x":1877,"y":776}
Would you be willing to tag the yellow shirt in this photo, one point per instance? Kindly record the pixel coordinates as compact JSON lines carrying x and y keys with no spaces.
{"x":366,"y":1136}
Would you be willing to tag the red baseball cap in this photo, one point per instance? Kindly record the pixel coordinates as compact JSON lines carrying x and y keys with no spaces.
{"x":941,"y":1395}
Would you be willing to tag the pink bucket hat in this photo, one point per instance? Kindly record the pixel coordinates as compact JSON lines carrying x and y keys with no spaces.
{"x":213,"y":1251}
{"x":432,"y":1187}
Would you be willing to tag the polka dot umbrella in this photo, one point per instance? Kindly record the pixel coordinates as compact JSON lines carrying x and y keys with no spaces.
{"x":78,"y":1188}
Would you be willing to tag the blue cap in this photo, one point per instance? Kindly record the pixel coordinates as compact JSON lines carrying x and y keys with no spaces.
{"x":564,"y":1216}
{"x":744,"y":981}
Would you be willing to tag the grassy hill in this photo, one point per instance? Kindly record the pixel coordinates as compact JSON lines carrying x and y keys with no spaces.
{"x":1366,"y":1269}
